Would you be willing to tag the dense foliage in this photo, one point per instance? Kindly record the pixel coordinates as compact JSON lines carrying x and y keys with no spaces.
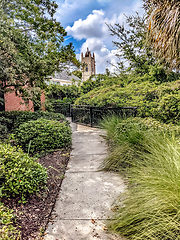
{"x":11,"y":120}
{"x":160,"y":101}
{"x":63,"y":94}
{"x":31,"y":46}
{"x":19,"y":174}
{"x":7,"y":229}
{"x":43,"y":135}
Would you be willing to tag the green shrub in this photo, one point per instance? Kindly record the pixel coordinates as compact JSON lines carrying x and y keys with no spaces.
{"x":5,"y":124}
{"x":160,"y":101}
{"x":11,"y":120}
{"x":64,"y":93}
{"x":19,"y":174}
{"x":3,"y":132}
{"x":43,"y":135}
{"x":7,"y":230}
{"x":169,"y":108}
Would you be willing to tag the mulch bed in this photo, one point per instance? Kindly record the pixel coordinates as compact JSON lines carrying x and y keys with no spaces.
{"x":34,"y":215}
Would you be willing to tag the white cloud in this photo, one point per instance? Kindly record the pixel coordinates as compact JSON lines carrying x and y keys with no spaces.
{"x":93,"y":44}
{"x":71,"y":10}
{"x":90,"y":27}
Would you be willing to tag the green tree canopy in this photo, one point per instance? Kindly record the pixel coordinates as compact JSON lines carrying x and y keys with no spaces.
{"x":31,"y":43}
{"x":132,"y":52}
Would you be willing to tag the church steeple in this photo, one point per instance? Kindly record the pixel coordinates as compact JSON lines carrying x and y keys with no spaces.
{"x":88,"y":65}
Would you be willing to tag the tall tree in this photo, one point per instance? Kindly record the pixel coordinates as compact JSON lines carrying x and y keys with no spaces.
{"x":131,"y":49}
{"x":31,"y":43}
{"x":164,"y":30}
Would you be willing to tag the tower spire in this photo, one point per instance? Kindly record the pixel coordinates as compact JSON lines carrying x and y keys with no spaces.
{"x":88,"y":65}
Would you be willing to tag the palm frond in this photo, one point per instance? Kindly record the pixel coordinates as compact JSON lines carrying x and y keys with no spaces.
{"x":164,"y":30}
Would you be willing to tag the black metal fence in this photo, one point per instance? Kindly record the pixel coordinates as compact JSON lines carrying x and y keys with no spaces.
{"x":91,"y":116}
{"x":64,"y":108}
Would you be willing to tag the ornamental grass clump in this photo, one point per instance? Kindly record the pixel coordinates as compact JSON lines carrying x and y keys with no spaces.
{"x":124,"y":137}
{"x":43,"y":135}
{"x":126,"y":140}
{"x":150,"y":207}
{"x":20,"y":174}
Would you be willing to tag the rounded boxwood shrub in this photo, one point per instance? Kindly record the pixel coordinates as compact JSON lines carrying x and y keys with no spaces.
{"x":19,"y":173}
{"x":42,"y":135}
{"x":12,"y":119}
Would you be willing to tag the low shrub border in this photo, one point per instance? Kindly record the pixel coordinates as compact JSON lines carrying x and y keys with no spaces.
{"x":43,"y":135}
{"x":9,"y":121}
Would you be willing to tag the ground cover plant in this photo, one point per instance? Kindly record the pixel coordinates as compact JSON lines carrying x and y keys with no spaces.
{"x":7,"y":230}
{"x":150,"y":162}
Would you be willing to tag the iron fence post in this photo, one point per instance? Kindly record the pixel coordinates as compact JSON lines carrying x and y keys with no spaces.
{"x":72,"y":117}
{"x":135,"y":114}
{"x":91,"y":116}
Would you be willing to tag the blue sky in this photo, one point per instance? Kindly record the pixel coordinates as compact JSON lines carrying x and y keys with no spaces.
{"x":85,"y":23}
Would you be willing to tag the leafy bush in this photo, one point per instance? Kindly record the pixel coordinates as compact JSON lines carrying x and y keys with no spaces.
{"x":5,"y":124}
{"x":11,"y":120}
{"x":19,"y":174}
{"x":63,"y":93}
{"x":3,"y":131}
{"x":7,"y":230}
{"x":169,"y":108}
{"x":153,"y":99}
{"x":41,"y":135}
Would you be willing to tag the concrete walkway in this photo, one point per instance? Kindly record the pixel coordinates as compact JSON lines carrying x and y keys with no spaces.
{"x":87,"y":195}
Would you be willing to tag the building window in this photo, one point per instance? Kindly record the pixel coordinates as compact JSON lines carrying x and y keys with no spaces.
{"x":86,"y":68}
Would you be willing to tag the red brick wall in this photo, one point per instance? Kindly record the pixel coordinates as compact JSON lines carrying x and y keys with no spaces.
{"x":13,"y":102}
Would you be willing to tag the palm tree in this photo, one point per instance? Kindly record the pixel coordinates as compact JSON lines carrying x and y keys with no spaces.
{"x":164,"y":30}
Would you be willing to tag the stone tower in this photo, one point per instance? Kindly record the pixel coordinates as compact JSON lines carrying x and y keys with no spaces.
{"x":88,"y":65}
